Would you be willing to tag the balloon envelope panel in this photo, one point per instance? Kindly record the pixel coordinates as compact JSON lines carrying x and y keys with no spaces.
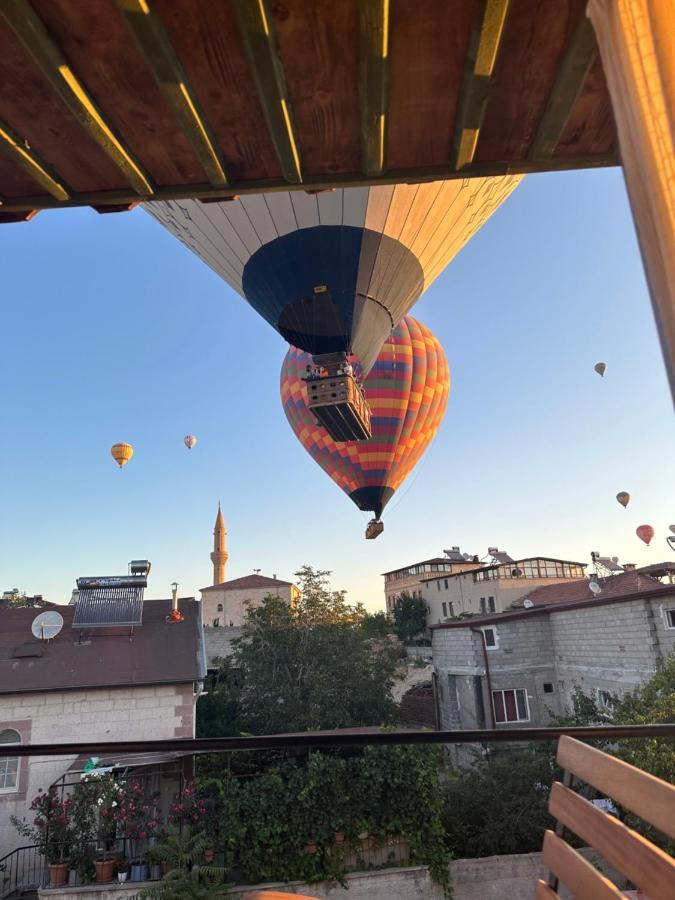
{"x":339,"y":269}
{"x":407,"y":390}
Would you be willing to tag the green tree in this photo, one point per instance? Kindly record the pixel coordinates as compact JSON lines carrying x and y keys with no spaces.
{"x":305,"y":666}
{"x":377,"y":625}
{"x":410,"y":616}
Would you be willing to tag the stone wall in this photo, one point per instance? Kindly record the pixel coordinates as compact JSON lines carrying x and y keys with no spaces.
{"x":235,"y":603}
{"x":114,"y":714}
{"x":498,"y":877}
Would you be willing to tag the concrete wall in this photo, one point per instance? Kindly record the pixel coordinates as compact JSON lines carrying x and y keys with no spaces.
{"x":492,"y":878}
{"x":218,"y":643}
{"x":113,"y":714}
{"x":613,"y":647}
{"x":235,"y":603}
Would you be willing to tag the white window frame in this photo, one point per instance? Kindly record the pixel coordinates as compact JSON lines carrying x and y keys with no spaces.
{"x":493,"y":629}
{"x":503,"y":691}
{"x":13,"y":789}
{"x":669,"y":618}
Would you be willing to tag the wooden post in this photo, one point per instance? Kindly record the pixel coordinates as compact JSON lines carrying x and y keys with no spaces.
{"x":637,"y":45}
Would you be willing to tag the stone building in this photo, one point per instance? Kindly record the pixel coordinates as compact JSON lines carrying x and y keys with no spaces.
{"x":493,"y":588}
{"x":226,"y":605}
{"x":410,"y":579}
{"x":519,"y":667}
{"x":98,"y":684}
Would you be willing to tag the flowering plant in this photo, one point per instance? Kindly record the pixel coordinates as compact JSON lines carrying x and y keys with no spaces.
{"x":188,"y":807}
{"x":136,"y":817}
{"x":51,"y":829}
{"x":104,"y":790}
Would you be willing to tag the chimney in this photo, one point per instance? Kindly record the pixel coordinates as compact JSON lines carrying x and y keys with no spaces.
{"x":629,"y":567}
{"x":175,"y":615}
{"x":274,"y":576}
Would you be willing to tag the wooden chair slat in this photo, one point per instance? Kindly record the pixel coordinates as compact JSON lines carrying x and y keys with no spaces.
{"x":581,"y":878}
{"x":544,"y":892}
{"x":648,"y":797}
{"x":652,"y":870}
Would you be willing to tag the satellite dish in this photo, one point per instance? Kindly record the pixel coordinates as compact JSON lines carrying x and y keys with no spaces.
{"x":466,"y":555}
{"x":47,"y":625}
{"x":516,"y":573}
{"x":595,"y":587}
{"x":528,"y":604}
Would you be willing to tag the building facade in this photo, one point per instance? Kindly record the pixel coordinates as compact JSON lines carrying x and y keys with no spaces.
{"x":518,"y":668}
{"x":411,"y":579}
{"x":226,"y":605}
{"x":480,"y":590}
{"x":101,"y":685}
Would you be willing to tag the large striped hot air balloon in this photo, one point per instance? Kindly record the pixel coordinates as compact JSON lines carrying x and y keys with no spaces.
{"x":407,"y":389}
{"x":335,"y":271}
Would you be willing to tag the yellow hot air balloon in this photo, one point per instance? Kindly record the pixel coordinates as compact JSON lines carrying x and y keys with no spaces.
{"x":624,"y":498}
{"x":121,"y":453}
{"x":600,"y":368}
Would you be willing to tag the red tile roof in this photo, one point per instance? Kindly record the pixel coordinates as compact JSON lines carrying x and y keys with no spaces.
{"x":574,"y":591}
{"x":157,"y":653}
{"x":248,"y":581}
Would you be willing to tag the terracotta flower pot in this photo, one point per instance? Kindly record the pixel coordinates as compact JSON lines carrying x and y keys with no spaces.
{"x":209,"y":855}
{"x":366,"y":841}
{"x":164,"y":867}
{"x":105,"y":869}
{"x":310,"y":847}
{"x":339,"y":837}
{"x":58,"y":874}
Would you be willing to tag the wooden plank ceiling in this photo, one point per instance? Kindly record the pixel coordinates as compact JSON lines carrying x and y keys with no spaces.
{"x":109,"y":102}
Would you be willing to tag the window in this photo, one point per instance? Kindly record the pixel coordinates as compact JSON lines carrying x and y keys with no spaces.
{"x":548,"y":687}
{"x":670,"y":618}
{"x":510,"y":706}
{"x":446,"y":583}
{"x":452,"y":608}
{"x":491,"y":638}
{"x":452,"y":688}
{"x":445,"y":609}
{"x":491,"y":604}
{"x":9,"y":765}
{"x":220,"y":607}
{"x":216,"y":623}
{"x":438,"y":585}
{"x":483,"y":607}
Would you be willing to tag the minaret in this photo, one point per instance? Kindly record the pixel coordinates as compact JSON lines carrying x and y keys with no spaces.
{"x":220,"y":555}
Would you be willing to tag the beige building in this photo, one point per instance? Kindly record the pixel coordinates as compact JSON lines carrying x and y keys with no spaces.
{"x":411,"y":579}
{"x":493,"y":588}
{"x":226,"y":605}
{"x":103,"y":684}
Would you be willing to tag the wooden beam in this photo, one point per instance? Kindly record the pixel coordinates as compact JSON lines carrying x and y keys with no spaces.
{"x":373,"y":82}
{"x":486,"y":37}
{"x":579,"y":56}
{"x":6,"y":218}
{"x":104,"y":209}
{"x":28,"y":27}
{"x":161,"y":58}
{"x":354,"y":179}
{"x":257,"y":34}
{"x":22,"y":154}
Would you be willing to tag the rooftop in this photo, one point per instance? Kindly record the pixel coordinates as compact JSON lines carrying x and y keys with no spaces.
{"x":247,"y":581}
{"x":425,"y":562}
{"x":157,"y":652}
{"x":571,"y":592}
{"x":513,"y":564}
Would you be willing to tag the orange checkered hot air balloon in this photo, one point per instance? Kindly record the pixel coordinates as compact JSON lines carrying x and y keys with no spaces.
{"x":407,"y":390}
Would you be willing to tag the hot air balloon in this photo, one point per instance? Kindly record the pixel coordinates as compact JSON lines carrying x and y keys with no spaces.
{"x":600,"y":368}
{"x":645,"y":533}
{"x":407,"y":389}
{"x":121,"y":453}
{"x":335,"y":271}
{"x":624,"y":498}
{"x":672,"y":528}
{"x":189,"y":440}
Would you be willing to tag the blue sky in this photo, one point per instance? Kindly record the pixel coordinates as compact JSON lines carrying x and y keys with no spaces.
{"x":112,"y":330}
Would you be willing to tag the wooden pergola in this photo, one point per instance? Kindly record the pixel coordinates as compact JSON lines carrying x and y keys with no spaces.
{"x":105,"y":103}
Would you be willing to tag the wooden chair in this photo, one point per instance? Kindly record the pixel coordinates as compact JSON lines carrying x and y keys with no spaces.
{"x":653,"y":800}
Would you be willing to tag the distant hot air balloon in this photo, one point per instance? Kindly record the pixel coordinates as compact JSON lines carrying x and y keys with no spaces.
{"x":624,"y":498}
{"x":407,"y":389}
{"x":600,"y":368}
{"x":334,"y":271}
{"x":121,"y":453}
{"x":189,"y":440}
{"x":645,"y":533}
{"x":672,"y":528}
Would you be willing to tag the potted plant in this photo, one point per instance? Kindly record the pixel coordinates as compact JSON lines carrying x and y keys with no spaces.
{"x":136,"y":819}
{"x":122,"y":872}
{"x":52,"y":832}
{"x":106,"y":790}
